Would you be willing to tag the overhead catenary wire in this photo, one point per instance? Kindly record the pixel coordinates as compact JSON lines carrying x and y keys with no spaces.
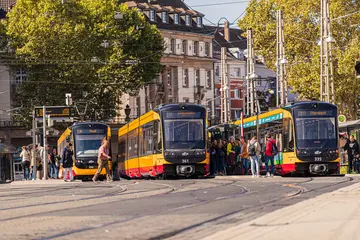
{"x":219,"y":4}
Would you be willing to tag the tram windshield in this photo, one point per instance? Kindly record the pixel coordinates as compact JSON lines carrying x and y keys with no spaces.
{"x":184,"y":132}
{"x":87,"y":145}
{"x":315,"y":132}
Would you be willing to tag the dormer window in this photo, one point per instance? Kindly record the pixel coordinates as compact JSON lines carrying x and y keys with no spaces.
{"x":152,"y":15}
{"x":164,"y":17}
{"x":187,"y":20}
{"x":176,"y":18}
{"x":199,"y":22}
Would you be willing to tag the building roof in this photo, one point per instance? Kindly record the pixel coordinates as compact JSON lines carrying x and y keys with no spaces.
{"x":219,"y":41}
{"x":171,"y":7}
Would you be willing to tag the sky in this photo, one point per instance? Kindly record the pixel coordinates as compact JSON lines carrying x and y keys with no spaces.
{"x":231,"y":9}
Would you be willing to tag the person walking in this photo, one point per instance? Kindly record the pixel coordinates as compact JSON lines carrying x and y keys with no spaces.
{"x":25,"y":163}
{"x":254,"y":151}
{"x":103,"y":158}
{"x":353,"y":151}
{"x":270,"y":152}
{"x":53,"y":168}
{"x":213,"y":168}
{"x":67,"y":161}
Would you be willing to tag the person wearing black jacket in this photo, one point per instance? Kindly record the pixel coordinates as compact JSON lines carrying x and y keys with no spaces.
{"x":67,"y":161}
{"x":213,"y":168}
{"x":352,"y":148}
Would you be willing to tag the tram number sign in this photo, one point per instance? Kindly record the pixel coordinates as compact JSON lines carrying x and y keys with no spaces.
{"x":185,"y":161}
{"x":318,"y":159}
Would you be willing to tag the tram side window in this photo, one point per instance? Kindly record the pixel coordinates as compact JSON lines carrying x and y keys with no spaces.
{"x":288,"y":136}
{"x":148,"y":146}
{"x":122,"y":148}
{"x":133,"y":145}
{"x":157,"y":137}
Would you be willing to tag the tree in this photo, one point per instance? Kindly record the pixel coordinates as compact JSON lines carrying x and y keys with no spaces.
{"x":56,"y":42}
{"x":302,"y":31}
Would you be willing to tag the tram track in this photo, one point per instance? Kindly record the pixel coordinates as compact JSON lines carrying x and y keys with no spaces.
{"x":172,"y":189}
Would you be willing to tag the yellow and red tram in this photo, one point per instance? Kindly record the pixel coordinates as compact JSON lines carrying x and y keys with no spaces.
{"x":306,"y":134}
{"x":170,"y":140}
{"x":86,"y":138}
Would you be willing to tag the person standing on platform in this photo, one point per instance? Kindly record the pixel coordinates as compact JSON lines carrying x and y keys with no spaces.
{"x":244,"y":155}
{"x":103,"y":161}
{"x":53,"y":168}
{"x":254,"y":151}
{"x":230,"y":152}
{"x":213,"y":166}
{"x":270,"y":152}
{"x":67,"y":161}
{"x":352,"y":148}
{"x":25,"y":155}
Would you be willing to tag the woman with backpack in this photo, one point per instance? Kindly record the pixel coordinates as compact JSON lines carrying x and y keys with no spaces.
{"x":254,"y":152}
{"x":270,"y":152}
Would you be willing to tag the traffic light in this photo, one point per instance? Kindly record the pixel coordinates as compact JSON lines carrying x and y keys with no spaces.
{"x":357,"y":69}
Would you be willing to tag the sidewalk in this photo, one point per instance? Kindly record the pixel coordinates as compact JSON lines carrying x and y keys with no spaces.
{"x":334,"y":215}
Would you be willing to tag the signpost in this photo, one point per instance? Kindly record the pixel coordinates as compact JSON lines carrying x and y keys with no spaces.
{"x":42,"y":114}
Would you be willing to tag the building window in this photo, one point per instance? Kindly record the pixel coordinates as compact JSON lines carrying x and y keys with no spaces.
{"x":237,"y":72}
{"x":169,"y":82}
{"x":199,"y":21}
{"x":207,"y":49}
{"x":170,"y":100}
{"x":217,"y":71}
{"x":20,"y":76}
{"x":196,"y":48}
{"x":176,"y":18}
{"x":197,"y":77}
{"x":237,"y":93}
{"x":184,"y":47}
{"x":164,"y":17}
{"x":209,"y":105}
{"x":172,"y":46}
{"x":152,"y":15}
{"x":186,"y":78}
{"x":138,"y":107}
{"x":208,"y":79}
{"x":187,"y":20}
{"x":186,"y":100}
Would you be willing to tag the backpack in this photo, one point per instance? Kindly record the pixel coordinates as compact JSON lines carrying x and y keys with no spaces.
{"x":252,"y":150}
{"x":274,"y":149}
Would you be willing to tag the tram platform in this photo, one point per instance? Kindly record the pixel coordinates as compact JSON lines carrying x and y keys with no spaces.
{"x":43,"y":182}
{"x":334,"y":215}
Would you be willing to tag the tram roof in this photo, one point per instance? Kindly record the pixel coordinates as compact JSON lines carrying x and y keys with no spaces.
{"x":88,"y":123}
{"x":299,"y":103}
{"x":177,"y":105}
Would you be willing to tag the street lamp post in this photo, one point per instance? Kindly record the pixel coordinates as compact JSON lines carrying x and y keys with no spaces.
{"x":127,"y":113}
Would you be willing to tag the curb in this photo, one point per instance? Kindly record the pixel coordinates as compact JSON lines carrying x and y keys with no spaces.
{"x":42,"y":182}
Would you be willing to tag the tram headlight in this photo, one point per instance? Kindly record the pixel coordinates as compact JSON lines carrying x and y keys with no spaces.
{"x":198,"y":153}
{"x":78,"y":161}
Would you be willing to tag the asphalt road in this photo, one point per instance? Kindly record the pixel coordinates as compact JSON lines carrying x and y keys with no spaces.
{"x":170,"y":209}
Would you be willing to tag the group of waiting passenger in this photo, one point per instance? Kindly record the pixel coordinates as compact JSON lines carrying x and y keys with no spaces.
{"x":235,"y":156}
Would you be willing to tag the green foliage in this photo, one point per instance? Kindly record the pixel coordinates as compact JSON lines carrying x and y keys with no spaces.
{"x":302,"y":32}
{"x":55,"y":42}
